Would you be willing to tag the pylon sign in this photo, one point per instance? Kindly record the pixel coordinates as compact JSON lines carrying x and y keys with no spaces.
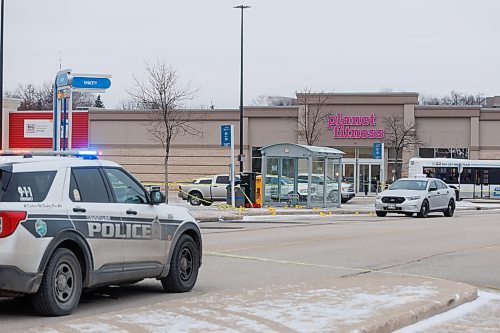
{"x":65,"y":83}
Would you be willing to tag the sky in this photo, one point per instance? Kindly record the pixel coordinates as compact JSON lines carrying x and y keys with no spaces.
{"x":427,"y":46}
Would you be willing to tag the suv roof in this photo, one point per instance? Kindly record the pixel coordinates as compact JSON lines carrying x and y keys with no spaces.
{"x":60,"y":161}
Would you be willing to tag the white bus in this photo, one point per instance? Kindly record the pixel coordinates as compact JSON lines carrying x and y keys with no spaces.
{"x":469,"y":178}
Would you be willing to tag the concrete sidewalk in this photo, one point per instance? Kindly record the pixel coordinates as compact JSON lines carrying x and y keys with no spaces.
{"x":362,"y":206}
{"x":368,"y":303}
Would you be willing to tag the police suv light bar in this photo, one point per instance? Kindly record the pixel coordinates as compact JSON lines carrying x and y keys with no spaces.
{"x":86,"y":154}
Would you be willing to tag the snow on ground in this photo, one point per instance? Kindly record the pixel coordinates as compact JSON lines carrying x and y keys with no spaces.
{"x":278,"y":309}
{"x":470,"y":317}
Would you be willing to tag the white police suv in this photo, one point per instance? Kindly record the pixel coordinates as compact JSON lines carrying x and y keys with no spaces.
{"x":416,"y":195}
{"x":68,"y":224}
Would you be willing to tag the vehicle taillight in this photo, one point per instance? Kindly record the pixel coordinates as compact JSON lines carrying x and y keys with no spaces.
{"x":9,"y":222}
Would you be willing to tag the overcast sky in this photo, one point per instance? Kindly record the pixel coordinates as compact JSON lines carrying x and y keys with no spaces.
{"x":427,"y":46}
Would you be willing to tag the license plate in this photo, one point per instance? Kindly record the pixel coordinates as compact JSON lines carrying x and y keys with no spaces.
{"x":391,"y":206}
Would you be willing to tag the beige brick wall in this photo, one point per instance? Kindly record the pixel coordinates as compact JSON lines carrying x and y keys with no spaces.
{"x":184,"y":163}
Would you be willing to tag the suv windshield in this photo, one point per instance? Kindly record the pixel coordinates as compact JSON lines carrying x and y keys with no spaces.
{"x":409,"y":184}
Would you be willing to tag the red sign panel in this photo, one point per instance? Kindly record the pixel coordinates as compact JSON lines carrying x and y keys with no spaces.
{"x":34,"y":130}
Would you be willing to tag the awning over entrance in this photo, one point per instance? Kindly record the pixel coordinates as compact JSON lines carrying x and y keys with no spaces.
{"x":294,"y":174}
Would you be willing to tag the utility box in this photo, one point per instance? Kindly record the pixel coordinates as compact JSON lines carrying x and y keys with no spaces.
{"x":258,"y":191}
{"x":239,"y":196}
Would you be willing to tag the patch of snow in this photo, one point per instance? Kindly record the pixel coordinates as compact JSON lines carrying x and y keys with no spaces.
{"x":484,"y":297}
{"x":95,"y":327}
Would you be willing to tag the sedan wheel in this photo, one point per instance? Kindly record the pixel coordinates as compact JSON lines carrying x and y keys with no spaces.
{"x":451,"y":208}
{"x":424,"y":209}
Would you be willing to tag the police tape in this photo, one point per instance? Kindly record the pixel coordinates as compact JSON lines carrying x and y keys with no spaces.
{"x":205,"y":202}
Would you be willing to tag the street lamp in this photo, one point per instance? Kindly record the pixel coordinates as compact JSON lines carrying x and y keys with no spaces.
{"x":1,"y":72}
{"x":240,"y":157}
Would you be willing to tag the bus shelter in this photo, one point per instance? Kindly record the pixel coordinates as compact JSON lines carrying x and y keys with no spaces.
{"x":294,"y":174}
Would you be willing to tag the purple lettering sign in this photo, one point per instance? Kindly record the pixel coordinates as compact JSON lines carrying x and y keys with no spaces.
{"x":341,"y":127}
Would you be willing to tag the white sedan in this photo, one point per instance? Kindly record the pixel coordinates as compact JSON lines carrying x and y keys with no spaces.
{"x":416,"y":195}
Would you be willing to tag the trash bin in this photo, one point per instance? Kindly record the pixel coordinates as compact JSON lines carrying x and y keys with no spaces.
{"x":239,"y":196}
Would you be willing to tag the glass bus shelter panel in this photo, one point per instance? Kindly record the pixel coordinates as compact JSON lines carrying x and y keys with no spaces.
{"x":288,"y":181}
{"x":302,"y":174}
{"x":272,"y":181}
{"x":318,"y":183}
{"x":332,"y":181}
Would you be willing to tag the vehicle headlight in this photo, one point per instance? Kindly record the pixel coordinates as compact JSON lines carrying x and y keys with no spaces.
{"x":413,"y":198}
{"x":379,"y":196}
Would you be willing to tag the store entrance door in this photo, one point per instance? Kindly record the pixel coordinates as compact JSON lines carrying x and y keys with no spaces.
{"x":369,"y":178}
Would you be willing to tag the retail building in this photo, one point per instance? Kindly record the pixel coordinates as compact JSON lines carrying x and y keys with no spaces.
{"x":350,"y":122}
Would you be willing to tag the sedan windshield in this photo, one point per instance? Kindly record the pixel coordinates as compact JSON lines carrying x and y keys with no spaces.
{"x":409,"y":184}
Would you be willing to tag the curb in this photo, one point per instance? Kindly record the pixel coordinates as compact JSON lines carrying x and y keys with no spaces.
{"x":239,"y":216}
{"x":402,"y":320}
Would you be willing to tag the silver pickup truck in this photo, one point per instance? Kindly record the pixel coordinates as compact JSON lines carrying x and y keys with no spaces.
{"x":205,"y":190}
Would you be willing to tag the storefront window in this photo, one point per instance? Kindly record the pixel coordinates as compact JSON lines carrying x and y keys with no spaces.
{"x":443,"y":152}
{"x":462,"y":153}
{"x":426,"y":152}
{"x":349,"y":151}
{"x":365,"y":152}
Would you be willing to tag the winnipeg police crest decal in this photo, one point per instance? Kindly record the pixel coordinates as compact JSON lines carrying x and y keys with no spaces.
{"x":41,"y":227}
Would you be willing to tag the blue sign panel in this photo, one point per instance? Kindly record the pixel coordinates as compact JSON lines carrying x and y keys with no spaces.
{"x":91,"y":82}
{"x":62,"y":80}
{"x":225,"y":135}
{"x":377,"y":150}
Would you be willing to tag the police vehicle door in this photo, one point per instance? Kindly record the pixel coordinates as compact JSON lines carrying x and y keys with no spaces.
{"x":444,"y":193}
{"x":143,"y":244}
{"x":94,"y":214}
{"x":435,"y":200}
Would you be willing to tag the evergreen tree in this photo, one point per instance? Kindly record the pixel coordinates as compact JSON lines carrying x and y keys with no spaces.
{"x":98,"y":103}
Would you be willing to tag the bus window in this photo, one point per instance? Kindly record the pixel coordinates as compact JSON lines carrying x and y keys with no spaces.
{"x":448,"y":175}
{"x":466,"y":176}
{"x":486,"y":177}
{"x":494,"y":176}
{"x":430,"y":172}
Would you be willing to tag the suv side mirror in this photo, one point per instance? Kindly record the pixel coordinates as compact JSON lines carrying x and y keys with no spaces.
{"x":156,"y":197}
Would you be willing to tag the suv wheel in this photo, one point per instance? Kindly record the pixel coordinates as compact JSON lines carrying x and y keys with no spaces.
{"x":183,"y":266}
{"x":451,"y":209}
{"x":424,"y":209}
{"x":195,"y":199}
{"x":61,"y":287}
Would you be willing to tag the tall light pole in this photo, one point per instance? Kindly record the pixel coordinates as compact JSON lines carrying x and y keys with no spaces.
{"x":240,"y":157}
{"x":1,"y":73}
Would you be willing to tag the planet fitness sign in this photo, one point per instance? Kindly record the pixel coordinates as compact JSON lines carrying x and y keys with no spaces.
{"x":342,"y":127}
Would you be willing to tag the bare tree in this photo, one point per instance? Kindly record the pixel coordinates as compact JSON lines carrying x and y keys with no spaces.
{"x":33,"y":97}
{"x":264,"y":100}
{"x":82,"y":99}
{"x":161,"y":93}
{"x":454,"y":98}
{"x":41,"y":97}
{"x":312,"y":117}
{"x":128,"y":104}
{"x":400,"y":136}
